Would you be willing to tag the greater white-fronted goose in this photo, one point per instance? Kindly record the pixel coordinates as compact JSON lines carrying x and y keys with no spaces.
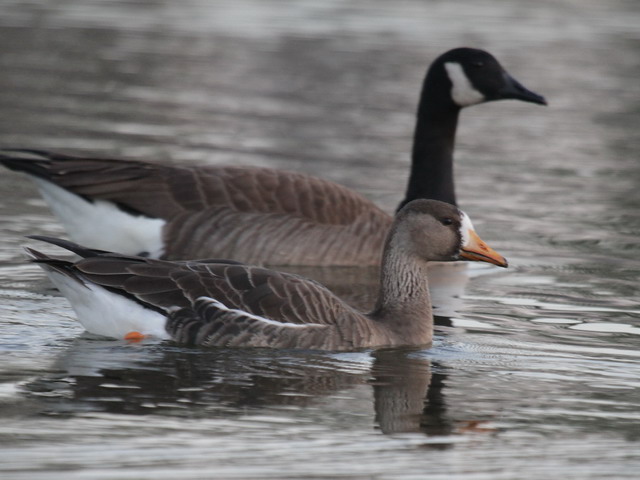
{"x":260,"y":215}
{"x":226,"y":303}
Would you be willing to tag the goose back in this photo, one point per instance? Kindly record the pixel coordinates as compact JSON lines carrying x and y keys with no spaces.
{"x":227,"y":303}
{"x":224,"y":303}
{"x":256,"y":215}
{"x":259,"y":215}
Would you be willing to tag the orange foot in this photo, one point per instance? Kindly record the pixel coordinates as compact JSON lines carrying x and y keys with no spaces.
{"x":134,"y":337}
{"x":475,"y":426}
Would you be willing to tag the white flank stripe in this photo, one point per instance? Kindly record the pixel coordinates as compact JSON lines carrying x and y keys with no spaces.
{"x":105,"y":313}
{"x":101,"y":224}
{"x":244,"y":313}
{"x":462,"y":92}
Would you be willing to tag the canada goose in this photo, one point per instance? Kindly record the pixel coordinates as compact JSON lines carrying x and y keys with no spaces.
{"x":226,"y":303}
{"x":260,"y":215}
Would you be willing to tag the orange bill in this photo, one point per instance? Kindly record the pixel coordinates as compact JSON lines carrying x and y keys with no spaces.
{"x":478,"y":251}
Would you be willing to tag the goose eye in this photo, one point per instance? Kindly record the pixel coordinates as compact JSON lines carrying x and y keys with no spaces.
{"x":447,"y":221}
{"x":478,"y":64}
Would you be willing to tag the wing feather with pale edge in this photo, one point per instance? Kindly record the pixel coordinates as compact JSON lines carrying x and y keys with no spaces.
{"x":277,"y":296}
{"x":165,"y":191}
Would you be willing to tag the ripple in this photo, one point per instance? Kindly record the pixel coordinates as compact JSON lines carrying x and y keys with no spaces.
{"x":555,"y":320}
{"x":608,"y":327}
{"x":534,"y":370}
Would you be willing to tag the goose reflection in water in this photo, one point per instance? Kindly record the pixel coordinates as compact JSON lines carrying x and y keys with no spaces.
{"x":163,"y":380}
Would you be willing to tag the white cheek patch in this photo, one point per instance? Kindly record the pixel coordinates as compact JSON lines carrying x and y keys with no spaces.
{"x":462,"y":91}
{"x":465,"y":227}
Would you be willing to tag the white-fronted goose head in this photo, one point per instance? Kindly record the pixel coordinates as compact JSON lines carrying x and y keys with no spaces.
{"x":225,"y":303}
{"x":259,"y":215}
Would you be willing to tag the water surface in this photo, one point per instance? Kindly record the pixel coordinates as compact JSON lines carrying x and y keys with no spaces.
{"x":534,"y":371}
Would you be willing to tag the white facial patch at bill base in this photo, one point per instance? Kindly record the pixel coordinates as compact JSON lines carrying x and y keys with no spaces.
{"x":465,"y":227}
{"x":462,"y":91}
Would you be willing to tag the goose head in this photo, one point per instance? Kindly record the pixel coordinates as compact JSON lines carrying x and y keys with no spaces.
{"x":475,"y":76}
{"x":434,"y":231}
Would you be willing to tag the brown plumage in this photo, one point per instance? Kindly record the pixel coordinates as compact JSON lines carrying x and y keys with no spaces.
{"x":255,"y":215}
{"x":259,"y":215}
{"x":226,"y":303}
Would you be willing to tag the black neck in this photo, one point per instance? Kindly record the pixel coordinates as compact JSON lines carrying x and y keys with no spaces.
{"x":433,"y":143}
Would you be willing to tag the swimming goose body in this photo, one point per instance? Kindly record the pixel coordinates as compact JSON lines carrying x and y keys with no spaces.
{"x":260,"y":215}
{"x":226,"y":303}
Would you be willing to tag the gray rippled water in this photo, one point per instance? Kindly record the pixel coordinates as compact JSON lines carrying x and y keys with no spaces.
{"x":535,"y":370}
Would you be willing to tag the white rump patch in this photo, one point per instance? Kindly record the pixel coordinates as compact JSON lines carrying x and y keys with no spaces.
{"x":465,"y":227}
{"x":105,"y":313}
{"x":101,"y":224}
{"x":462,"y":91}
{"x":244,"y":313}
